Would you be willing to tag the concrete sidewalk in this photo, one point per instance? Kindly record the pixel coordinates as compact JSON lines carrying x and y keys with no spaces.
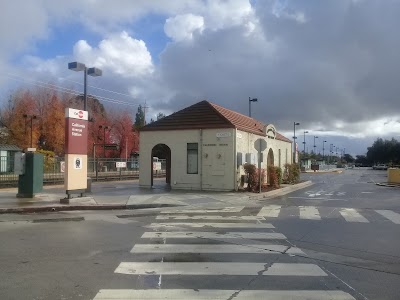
{"x":128,"y":195}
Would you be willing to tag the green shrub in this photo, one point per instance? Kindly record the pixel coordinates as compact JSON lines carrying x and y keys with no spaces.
{"x":291,"y":174}
{"x":48,"y":160}
{"x":274,"y":176}
{"x":252,"y":174}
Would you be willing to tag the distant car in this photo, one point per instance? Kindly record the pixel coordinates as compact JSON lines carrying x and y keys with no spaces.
{"x":380,"y":167}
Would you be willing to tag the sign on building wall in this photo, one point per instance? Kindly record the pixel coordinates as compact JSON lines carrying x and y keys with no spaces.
{"x":223,"y":134}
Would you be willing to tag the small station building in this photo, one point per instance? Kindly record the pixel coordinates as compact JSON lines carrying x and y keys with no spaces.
{"x":206,"y":145}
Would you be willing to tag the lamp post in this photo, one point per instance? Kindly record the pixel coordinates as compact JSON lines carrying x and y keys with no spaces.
{"x":330,"y":152}
{"x":315,"y":137}
{"x":304,"y":142}
{"x":104,"y":138}
{"x":31,"y":117}
{"x":77,"y":66}
{"x":294,"y":140}
{"x":323,"y":150}
{"x":251,"y":100}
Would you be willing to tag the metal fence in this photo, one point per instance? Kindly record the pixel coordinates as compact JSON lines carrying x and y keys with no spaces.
{"x":99,"y":170}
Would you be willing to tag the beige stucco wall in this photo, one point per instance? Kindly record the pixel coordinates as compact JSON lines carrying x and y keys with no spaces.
{"x":245,"y":144}
{"x":216,"y":158}
{"x":393,"y":175}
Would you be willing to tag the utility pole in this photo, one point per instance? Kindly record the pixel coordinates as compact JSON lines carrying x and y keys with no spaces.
{"x":144,"y":113}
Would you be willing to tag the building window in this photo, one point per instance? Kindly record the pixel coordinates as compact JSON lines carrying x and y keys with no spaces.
{"x":286,"y":156}
{"x":279,"y":158}
{"x":192,"y":158}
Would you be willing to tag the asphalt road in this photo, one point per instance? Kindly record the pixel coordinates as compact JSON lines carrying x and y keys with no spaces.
{"x":328,"y":241}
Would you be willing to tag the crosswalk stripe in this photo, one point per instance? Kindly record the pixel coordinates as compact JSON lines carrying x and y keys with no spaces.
{"x":209,"y":248}
{"x":190,"y":294}
{"x":218,"y":268}
{"x":351,"y":215}
{"x":214,"y":225}
{"x":213,"y":235}
{"x":270,"y":211}
{"x":204,"y":211}
{"x":391,"y":215}
{"x":206,"y":217}
{"x":309,"y":212}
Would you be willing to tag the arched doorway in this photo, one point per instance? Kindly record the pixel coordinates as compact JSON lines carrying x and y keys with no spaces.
{"x":161,"y":154}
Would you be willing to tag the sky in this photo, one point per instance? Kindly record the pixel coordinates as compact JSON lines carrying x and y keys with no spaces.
{"x":332,"y":66}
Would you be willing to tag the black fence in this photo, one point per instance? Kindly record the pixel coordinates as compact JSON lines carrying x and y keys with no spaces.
{"x":99,"y":170}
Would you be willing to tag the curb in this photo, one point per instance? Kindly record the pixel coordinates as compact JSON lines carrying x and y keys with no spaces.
{"x":282,"y":191}
{"x":37,"y":209}
{"x":388,"y":184}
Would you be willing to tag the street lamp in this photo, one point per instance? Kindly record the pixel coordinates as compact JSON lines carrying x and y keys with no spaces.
{"x":331,"y":152}
{"x":304,"y":143}
{"x":251,"y":100}
{"x":77,"y":66}
{"x":294,"y":140}
{"x":315,"y":137}
{"x":104,"y":138}
{"x":323,"y":150}
{"x":31,"y":117}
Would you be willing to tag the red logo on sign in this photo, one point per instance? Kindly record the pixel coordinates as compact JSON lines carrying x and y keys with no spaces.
{"x":80,"y":114}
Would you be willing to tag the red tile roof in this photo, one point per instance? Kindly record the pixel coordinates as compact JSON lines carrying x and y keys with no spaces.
{"x":207,"y":115}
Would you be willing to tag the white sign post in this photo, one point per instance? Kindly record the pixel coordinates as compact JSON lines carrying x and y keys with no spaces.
{"x":260,"y":145}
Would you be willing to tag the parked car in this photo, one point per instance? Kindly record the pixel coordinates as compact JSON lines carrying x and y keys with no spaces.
{"x":380,"y":167}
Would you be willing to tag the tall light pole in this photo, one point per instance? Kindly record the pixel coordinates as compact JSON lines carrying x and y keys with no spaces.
{"x":31,"y":117}
{"x":77,"y":66}
{"x":104,"y":138}
{"x":323,"y":150}
{"x":304,"y":142}
{"x":294,"y":140}
{"x":251,"y":100}
{"x":315,"y":137}
{"x":330,"y":152}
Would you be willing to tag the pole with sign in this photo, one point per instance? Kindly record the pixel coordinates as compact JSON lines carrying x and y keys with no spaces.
{"x":76,"y":159}
{"x":260,"y":145}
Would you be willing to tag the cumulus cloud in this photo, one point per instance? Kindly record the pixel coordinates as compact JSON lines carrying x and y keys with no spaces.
{"x":120,"y":53}
{"x":182,"y":27}
{"x":330,"y":65}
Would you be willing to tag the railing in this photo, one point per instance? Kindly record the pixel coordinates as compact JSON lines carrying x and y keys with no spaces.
{"x":106,"y":170}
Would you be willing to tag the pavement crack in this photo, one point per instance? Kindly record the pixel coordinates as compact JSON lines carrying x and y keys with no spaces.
{"x":266,"y":267}
{"x":234,"y":295}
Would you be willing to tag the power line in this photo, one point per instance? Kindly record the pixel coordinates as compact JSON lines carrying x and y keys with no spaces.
{"x":54,"y":87}
{"x":95,"y":87}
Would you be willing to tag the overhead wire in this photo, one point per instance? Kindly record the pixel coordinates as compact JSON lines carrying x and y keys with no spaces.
{"x":58,"y":88}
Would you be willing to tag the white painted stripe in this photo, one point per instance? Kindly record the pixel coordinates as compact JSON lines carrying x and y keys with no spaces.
{"x":207,"y":248}
{"x":213,"y":235}
{"x":319,"y":198}
{"x":214,"y":225}
{"x":186,"y":294}
{"x":203,"y":211}
{"x":391,"y":215}
{"x":309,"y":212}
{"x":351,"y":215}
{"x":270,"y":211}
{"x":220,"y":268}
{"x":205,"y":217}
